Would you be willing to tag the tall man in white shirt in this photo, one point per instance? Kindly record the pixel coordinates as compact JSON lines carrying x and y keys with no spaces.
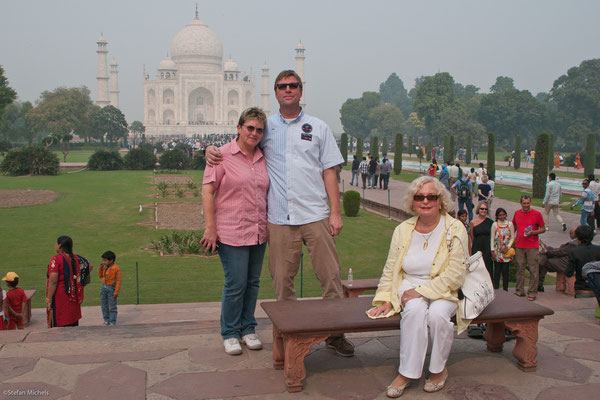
{"x":301,"y":155}
{"x":552,"y":200}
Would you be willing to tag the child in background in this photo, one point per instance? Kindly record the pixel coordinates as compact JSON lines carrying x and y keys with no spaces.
{"x":15,"y":298}
{"x":463,"y":216}
{"x":110,"y":274}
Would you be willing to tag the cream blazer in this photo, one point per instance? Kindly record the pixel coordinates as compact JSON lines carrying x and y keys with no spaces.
{"x":447,"y":272}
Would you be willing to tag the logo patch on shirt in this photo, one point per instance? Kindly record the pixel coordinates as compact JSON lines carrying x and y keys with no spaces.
{"x":306,"y":136}
{"x":307,"y":128}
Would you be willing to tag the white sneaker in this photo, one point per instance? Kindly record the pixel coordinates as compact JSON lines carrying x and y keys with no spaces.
{"x":232,"y":346}
{"x":252,"y":342}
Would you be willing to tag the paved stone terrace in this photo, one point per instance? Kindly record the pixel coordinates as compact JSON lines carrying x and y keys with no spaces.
{"x":174,"y":351}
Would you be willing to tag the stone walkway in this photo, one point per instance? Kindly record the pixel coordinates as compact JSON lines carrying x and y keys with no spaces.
{"x":174,"y":351}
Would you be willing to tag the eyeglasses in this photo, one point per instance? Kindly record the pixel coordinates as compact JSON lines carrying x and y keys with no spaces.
{"x":483,"y":209}
{"x":292,"y":85}
{"x":251,"y":129}
{"x":429,"y":197}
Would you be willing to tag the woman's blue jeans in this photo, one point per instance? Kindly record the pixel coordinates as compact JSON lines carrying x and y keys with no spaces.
{"x":108,"y":304}
{"x":242,"y":266}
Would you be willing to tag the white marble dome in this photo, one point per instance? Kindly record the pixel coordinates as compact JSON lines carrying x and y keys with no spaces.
{"x":167,"y":63}
{"x":231,"y":65}
{"x":196,"y":42}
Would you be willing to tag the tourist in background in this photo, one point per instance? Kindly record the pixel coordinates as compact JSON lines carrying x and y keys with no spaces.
{"x":234,"y":199}
{"x":586,"y":201}
{"x":528,"y":224}
{"x":484,"y":190}
{"x":386,"y":168}
{"x":595,"y":188}
{"x":502,"y":238}
{"x":444,"y":176}
{"x":355,"y":165}
{"x":579,"y":256}
{"x":64,"y":291}
{"x":479,"y":237}
{"x":552,"y":200}
{"x":420,"y":280}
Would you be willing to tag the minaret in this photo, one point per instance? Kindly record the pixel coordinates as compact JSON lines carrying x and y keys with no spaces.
{"x":264,"y":95}
{"x":114,"y":84}
{"x":102,"y":99}
{"x":300,"y":69}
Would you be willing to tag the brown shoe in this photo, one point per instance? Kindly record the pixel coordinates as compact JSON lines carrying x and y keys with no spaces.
{"x":341,"y":346}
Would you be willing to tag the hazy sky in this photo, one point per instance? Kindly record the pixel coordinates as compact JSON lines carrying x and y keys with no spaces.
{"x":351,"y":46}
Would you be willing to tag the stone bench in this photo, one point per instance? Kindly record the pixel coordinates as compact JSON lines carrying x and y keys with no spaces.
{"x":358,"y":286}
{"x":297,"y":325}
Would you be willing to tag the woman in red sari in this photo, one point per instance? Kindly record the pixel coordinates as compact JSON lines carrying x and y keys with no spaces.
{"x":64,"y":291}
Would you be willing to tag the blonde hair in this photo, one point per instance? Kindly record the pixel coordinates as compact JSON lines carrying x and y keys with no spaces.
{"x":478,"y":206}
{"x":444,"y":200}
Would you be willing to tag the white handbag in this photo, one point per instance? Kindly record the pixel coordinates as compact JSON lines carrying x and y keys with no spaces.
{"x":477,"y":290}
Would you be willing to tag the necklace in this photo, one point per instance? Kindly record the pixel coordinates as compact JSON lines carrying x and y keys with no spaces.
{"x":426,"y":237}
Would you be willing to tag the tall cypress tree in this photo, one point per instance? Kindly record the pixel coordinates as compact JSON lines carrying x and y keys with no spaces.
{"x":452,"y":148}
{"x":491,"y":156}
{"x":517,"y":160}
{"x":344,"y":147}
{"x":589,"y":160}
{"x":384,"y":147}
{"x":410,"y":146}
{"x":398,"y":154}
{"x":374,"y":147}
{"x":469,"y":149}
{"x":428,"y":149}
{"x":550,"y":152}
{"x":447,"y":148}
{"x":359,"y":148}
{"x":540,"y":167}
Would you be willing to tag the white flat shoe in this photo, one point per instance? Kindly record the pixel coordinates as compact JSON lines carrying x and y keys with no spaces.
{"x":431,"y":387}
{"x":232,"y":346}
{"x":396,"y":391}
{"x":252,"y":342}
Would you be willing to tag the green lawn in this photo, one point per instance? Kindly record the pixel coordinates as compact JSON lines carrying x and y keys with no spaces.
{"x":100,"y":211}
{"x":75,"y":155}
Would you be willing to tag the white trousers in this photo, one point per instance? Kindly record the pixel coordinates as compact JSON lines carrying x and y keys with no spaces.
{"x":421,"y":319}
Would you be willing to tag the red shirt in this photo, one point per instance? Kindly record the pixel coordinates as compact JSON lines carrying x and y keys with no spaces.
{"x":241,"y":187}
{"x":16,"y":298}
{"x":522,"y":220}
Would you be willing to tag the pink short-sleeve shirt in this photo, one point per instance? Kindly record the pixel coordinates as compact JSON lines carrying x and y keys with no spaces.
{"x":241,"y":187}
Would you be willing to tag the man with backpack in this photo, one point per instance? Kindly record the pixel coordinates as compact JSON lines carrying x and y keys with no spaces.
{"x":464,"y":191}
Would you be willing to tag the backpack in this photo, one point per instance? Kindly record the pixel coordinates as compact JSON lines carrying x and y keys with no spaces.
{"x":463,"y":189}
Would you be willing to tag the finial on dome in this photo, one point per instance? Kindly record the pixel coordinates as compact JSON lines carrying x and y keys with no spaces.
{"x":196,"y":10}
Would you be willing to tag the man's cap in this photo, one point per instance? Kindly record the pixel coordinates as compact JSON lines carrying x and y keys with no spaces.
{"x":10,"y":277}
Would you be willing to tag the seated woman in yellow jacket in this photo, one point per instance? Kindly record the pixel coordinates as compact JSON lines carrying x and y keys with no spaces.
{"x":421,"y":278}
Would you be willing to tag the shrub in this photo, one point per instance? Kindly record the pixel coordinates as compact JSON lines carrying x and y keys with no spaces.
{"x":105,"y":160}
{"x":374,"y":147}
{"x":179,"y":193}
{"x":180,"y":243}
{"x":174,"y":159}
{"x":162,"y":185}
{"x":196,"y":193}
{"x":199,"y":162}
{"x":351,"y":201}
{"x":34,"y":160}
{"x":517,"y":160}
{"x":140,"y":159}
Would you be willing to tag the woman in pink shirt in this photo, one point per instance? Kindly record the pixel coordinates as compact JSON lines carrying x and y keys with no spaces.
{"x":234,"y":198}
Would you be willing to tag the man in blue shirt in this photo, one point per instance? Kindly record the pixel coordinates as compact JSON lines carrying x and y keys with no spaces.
{"x":301,"y":155}
{"x":464,"y":191}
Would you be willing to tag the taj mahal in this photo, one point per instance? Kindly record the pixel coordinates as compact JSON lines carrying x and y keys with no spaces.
{"x":194,"y":92}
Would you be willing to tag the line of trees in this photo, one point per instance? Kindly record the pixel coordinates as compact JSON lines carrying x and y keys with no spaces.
{"x":438,"y":107}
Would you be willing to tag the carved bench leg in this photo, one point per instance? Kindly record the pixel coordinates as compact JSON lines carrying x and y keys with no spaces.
{"x":278,"y":351}
{"x":525,"y":351}
{"x":494,"y":336}
{"x":296,"y":348}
